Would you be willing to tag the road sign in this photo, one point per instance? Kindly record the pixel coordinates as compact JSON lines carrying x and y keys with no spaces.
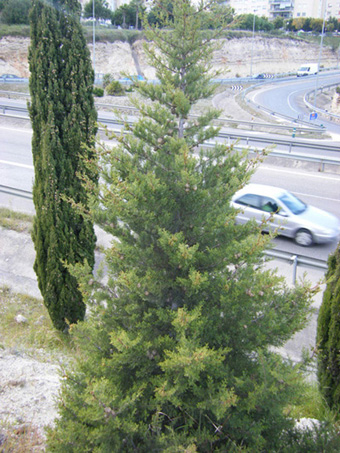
{"x":313,"y":116}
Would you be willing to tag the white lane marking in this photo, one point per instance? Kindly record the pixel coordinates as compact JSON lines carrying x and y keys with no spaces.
{"x":298,"y":173}
{"x":15,"y":164}
{"x":289,"y":103}
{"x":337,"y":200}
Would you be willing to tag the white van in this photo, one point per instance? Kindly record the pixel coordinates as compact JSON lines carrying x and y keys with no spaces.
{"x":308,"y":69}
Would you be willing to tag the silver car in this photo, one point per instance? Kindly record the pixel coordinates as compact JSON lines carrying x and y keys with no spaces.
{"x":286,"y":213}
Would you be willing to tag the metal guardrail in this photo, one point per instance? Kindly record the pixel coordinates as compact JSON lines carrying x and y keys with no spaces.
{"x":279,"y":141}
{"x":3,"y":108}
{"x":325,"y":113}
{"x":251,"y":125}
{"x":297,"y":260}
{"x":321,"y":160}
{"x":17,"y":192}
{"x":307,"y":128}
{"x":280,"y":115}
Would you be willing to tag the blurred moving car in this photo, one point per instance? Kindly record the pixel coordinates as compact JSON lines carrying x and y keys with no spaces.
{"x":259,"y":76}
{"x":285,"y":212}
{"x":10,"y":78}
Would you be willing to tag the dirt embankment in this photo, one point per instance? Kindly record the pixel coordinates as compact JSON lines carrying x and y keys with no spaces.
{"x":270,"y":55}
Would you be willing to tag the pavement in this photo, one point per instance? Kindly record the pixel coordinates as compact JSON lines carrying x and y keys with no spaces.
{"x":16,"y":271}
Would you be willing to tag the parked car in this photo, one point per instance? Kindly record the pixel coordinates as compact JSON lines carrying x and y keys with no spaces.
{"x":286,"y":213}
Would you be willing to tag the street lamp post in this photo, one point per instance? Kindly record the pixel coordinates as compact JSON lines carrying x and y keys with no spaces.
{"x":320,"y":55}
{"x":252,"y":47}
{"x":94,"y":40}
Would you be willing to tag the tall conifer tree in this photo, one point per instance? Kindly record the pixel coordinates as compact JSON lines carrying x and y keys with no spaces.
{"x":177,"y":353}
{"x":64,"y":125}
{"x":328,"y":335}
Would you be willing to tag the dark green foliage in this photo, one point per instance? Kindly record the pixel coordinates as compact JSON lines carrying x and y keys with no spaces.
{"x":115,"y":88}
{"x":15,"y":11}
{"x":177,"y":353}
{"x":328,"y":335}
{"x":63,"y":120}
{"x":246,"y":22}
{"x":320,"y":438}
{"x":101,"y":10}
{"x":107,"y":79}
{"x":97,"y":91}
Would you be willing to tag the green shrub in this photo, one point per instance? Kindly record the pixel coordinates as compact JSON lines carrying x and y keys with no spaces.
{"x":115,"y":89}
{"x":99,"y":92}
{"x":338,"y":90}
{"x":107,"y":79}
{"x":14,"y":30}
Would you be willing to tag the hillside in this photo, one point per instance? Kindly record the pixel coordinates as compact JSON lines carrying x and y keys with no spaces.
{"x":270,"y":55}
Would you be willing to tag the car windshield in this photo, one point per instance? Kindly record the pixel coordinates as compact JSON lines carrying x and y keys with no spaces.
{"x":295,"y":205}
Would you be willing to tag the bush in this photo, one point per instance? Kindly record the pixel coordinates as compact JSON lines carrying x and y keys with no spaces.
{"x":338,"y":90}
{"x":16,"y":11}
{"x":14,"y":30}
{"x":115,"y":89}
{"x":107,"y":79}
{"x":99,"y":92}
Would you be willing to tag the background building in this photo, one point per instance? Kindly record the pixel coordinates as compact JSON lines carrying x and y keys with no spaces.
{"x":287,"y":8}
{"x":281,"y":8}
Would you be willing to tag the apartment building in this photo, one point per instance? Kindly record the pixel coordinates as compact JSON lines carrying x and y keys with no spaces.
{"x":281,"y":8}
{"x":287,"y":8}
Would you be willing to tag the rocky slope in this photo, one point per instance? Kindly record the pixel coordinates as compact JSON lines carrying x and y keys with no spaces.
{"x":270,"y":55}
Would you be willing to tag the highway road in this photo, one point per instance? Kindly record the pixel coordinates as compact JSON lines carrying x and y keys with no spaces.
{"x":319,"y":189}
{"x":259,"y":140}
{"x":286,"y":97}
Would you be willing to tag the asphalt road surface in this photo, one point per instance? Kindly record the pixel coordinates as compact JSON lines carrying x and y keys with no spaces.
{"x":319,"y":189}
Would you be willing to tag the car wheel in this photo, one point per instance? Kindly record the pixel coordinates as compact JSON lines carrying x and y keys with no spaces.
{"x":304,"y":238}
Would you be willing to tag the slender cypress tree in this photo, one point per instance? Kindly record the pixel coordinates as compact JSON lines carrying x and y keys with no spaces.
{"x":177,"y":353}
{"x":328,"y":335}
{"x":64,"y":125}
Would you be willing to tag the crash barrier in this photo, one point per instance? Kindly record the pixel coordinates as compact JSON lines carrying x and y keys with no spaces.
{"x":297,"y":260}
{"x":311,"y":96}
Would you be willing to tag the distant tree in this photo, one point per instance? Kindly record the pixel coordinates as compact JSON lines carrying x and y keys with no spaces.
{"x":128,"y":14}
{"x":332,"y":24}
{"x":216,"y":13}
{"x":298,"y":23}
{"x":278,"y":22}
{"x":289,"y":25}
{"x":177,"y":355}
{"x":101,"y":10}
{"x":15,"y":11}
{"x":328,"y":335}
{"x":159,"y":10}
{"x":316,"y":25}
{"x":246,"y":22}
{"x":307,"y":24}
{"x":64,"y":125}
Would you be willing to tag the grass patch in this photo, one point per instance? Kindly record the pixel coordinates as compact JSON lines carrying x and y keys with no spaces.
{"x":14,"y":30}
{"x":16,"y":221}
{"x":311,"y":404}
{"x":20,"y":88}
{"x":26,"y":327}
{"x":22,"y":440}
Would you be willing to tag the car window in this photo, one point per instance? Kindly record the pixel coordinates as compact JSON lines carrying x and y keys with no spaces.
{"x":295,"y":205}
{"x":269,"y":204}
{"x":250,"y":200}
